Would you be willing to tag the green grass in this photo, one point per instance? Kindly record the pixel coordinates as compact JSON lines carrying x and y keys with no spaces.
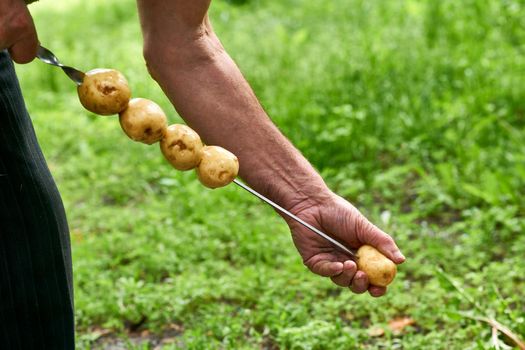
{"x":412,"y":110}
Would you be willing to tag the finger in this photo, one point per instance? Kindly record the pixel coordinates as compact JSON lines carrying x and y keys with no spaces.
{"x":370,"y":234}
{"x":24,"y":51}
{"x":345,"y":278}
{"x":359,"y":283}
{"x":24,"y":41}
{"x":327,"y":268}
{"x":376,"y":291}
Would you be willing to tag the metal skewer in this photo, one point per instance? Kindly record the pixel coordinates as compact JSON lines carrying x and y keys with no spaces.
{"x":77,"y":76}
{"x":45,"y":55}
{"x":292,"y":216}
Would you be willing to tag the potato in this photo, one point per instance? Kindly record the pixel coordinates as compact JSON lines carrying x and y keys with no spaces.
{"x":143,"y":120}
{"x":181,"y":146}
{"x":104,"y":91}
{"x":218,"y":167}
{"x":379,"y":269}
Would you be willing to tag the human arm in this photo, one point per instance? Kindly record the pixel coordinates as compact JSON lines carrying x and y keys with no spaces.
{"x":17,"y":31}
{"x":204,"y":84}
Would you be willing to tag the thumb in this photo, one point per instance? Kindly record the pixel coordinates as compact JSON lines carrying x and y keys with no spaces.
{"x":368,"y":233}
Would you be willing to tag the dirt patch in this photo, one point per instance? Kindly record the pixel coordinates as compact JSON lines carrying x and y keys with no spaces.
{"x":109,"y":340}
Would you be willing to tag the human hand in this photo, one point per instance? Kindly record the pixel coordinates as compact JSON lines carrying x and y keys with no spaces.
{"x":17,"y":31}
{"x":341,"y":220}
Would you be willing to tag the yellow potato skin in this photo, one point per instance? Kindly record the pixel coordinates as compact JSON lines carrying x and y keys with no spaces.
{"x":379,"y":269}
{"x":104,"y":91}
{"x":181,"y":146}
{"x":143,"y":120}
{"x":218,"y":167}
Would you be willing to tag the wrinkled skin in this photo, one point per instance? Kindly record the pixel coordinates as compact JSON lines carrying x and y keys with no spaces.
{"x":338,"y":218}
{"x":210,"y":93}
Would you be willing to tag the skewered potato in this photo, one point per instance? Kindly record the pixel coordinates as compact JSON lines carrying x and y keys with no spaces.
{"x":143,"y":120}
{"x":379,"y":269}
{"x":218,"y":167}
{"x":181,"y":146}
{"x":104,"y":91}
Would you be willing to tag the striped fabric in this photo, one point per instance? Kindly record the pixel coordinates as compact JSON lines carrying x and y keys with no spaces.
{"x":36,"y":296}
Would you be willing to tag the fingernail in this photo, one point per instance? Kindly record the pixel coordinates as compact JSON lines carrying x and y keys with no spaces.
{"x":399,"y":256}
{"x":338,"y":266}
{"x":349,"y":264}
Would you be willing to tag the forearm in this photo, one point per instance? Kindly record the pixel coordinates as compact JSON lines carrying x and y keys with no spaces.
{"x":210,"y":93}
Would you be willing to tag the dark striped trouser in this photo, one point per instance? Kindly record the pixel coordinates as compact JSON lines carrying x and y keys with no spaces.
{"x":36,"y":293}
